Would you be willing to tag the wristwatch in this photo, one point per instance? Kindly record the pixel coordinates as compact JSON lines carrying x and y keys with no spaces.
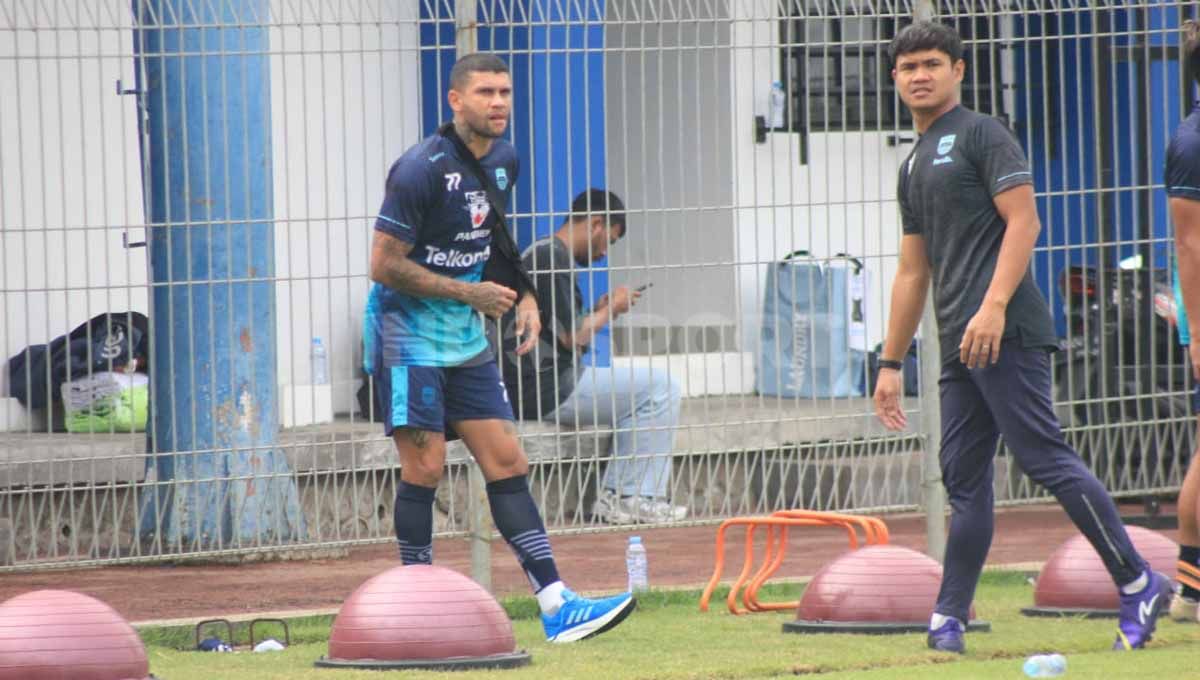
{"x":889,"y":363}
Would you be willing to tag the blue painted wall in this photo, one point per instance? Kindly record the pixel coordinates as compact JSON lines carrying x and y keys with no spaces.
{"x":559,"y":132}
{"x":1129,"y":144}
{"x":1064,"y":157}
{"x":1056,"y":119}
{"x":1166,"y":105}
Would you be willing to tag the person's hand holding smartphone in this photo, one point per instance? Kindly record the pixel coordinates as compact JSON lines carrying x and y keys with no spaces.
{"x":621,"y":299}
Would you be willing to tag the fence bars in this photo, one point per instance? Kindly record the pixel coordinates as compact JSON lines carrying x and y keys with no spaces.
{"x":122,"y":131}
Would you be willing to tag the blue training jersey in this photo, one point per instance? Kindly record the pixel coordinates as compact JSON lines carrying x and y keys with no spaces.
{"x":435,"y":203}
{"x":1182,"y":178}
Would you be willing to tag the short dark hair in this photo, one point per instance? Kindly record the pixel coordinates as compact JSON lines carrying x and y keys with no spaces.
{"x":474,"y":63}
{"x":595,"y":202}
{"x":1191,"y":50}
{"x":926,"y":35}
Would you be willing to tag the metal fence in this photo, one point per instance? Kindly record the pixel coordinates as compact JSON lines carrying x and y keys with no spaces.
{"x":244,"y":144}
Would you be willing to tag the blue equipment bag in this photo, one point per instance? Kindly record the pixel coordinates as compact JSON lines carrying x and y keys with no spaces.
{"x":813,"y":341}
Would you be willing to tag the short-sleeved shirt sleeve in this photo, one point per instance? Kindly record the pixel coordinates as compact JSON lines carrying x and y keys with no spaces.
{"x":516,"y":169}
{"x":908,"y":219}
{"x":1183,"y":166}
{"x":408,"y":199}
{"x":555,"y":288}
{"x":998,"y":157}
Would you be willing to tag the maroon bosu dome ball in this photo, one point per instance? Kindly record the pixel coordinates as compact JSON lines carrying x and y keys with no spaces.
{"x":419,"y":612}
{"x":57,"y":634}
{"x":876,"y":584}
{"x":1075,"y":578}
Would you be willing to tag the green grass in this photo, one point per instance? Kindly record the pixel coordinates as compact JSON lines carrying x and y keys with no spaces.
{"x":669,"y":638}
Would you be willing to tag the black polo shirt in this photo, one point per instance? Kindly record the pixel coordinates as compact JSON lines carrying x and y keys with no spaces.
{"x":946,"y":189}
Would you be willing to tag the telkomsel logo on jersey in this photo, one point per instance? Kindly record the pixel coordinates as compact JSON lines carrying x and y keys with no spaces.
{"x":477,"y":205}
{"x":454,"y":258}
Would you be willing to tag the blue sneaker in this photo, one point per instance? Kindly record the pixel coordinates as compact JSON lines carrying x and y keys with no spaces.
{"x":1140,"y":612}
{"x":580,"y":618}
{"x":948,"y":637}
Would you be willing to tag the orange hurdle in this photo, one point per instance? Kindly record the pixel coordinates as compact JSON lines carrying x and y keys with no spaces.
{"x":873,"y":527}
{"x":777,"y":526}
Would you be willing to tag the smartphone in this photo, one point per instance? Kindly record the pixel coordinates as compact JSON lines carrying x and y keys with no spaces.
{"x":643,"y":287}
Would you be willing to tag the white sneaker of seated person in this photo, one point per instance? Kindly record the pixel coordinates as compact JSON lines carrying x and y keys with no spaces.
{"x":1184,"y":610}
{"x":614,"y":509}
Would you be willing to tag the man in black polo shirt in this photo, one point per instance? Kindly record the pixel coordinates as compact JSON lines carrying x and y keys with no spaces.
{"x":970,"y":225}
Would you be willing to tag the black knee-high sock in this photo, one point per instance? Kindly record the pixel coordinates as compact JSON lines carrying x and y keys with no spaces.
{"x":1189,"y":571}
{"x":517,"y":518}
{"x":413,"y":516}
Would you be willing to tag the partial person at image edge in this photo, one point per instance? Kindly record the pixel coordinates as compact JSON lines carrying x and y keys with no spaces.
{"x":1182,"y":178}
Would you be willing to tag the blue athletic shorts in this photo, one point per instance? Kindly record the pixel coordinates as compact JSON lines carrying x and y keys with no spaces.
{"x":1196,"y":399}
{"x":432,"y":397}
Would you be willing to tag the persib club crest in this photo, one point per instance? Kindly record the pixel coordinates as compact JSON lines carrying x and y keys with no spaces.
{"x":501,"y":178}
{"x":477,"y":204}
{"x":945,"y":144}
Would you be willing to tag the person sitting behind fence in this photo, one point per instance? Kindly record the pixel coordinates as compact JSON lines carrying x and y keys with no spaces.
{"x":555,"y":384}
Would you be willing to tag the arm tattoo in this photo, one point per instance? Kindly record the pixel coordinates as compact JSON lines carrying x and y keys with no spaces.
{"x":391,"y":266}
{"x":419,"y":438}
{"x":509,"y":427}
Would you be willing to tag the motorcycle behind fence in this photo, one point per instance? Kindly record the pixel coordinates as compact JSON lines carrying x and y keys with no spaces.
{"x":1122,"y":381}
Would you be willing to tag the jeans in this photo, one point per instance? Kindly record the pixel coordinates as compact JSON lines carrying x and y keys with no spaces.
{"x":642,"y":405}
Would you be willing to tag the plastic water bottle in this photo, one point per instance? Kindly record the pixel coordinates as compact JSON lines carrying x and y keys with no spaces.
{"x":778,"y":101}
{"x":320,"y":363}
{"x":1045,"y":665}
{"x":635,"y":564}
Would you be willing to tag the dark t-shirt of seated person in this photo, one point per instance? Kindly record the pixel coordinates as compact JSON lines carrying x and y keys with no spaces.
{"x":540,"y":380}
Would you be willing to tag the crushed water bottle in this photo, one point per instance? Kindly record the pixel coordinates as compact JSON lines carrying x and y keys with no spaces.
{"x":635,"y":564}
{"x":269,"y":645}
{"x":320,"y":363}
{"x":1045,"y":665}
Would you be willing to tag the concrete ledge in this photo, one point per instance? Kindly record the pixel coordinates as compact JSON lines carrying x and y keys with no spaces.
{"x":707,"y":424}
{"x":100,"y":522}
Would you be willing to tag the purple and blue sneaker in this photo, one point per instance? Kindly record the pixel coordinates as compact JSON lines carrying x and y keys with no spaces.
{"x":1140,"y":612}
{"x":947,"y":637}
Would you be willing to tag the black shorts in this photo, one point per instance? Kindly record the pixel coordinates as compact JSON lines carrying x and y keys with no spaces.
{"x":432,"y":397}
